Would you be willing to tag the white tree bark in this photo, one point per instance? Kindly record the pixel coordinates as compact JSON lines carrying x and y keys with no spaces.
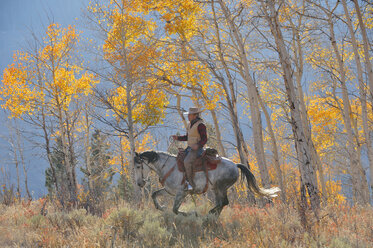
{"x":131,"y":136}
{"x":362,"y":90}
{"x":359,"y":191}
{"x":299,"y":62}
{"x":366,"y":45}
{"x":252,"y":96}
{"x":218,"y":134}
{"x":178,"y":106}
{"x":308,"y":174}
{"x":276,"y":157}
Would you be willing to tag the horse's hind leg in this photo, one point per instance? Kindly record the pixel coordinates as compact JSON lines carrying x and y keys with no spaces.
{"x":221,"y":200}
{"x":154,"y":197}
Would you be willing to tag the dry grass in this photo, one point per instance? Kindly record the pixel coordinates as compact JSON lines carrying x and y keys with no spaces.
{"x":21,"y":225}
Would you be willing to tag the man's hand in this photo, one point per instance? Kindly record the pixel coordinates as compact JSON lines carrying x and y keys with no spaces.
{"x":174,"y":137}
{"x":195,"y":147}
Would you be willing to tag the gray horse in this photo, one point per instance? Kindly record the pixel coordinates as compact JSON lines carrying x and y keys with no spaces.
{"x":220,"y":179}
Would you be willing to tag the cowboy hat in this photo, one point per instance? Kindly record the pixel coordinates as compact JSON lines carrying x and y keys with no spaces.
{"x":193,"y":110}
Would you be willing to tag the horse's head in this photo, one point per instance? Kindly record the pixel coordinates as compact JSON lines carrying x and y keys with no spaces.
{"x":143,"y":163}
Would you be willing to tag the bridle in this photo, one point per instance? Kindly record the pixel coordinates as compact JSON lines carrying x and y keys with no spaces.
{"x":140,"y":160}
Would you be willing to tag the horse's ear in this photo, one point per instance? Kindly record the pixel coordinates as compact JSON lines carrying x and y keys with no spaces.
{"x":136,"y":154}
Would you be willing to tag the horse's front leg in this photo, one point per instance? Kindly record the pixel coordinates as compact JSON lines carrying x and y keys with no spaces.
{"x":155,"y":200}
{"x":180,"y":196}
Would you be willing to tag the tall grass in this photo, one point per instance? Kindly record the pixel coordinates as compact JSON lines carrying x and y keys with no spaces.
{"x":125,"y":225}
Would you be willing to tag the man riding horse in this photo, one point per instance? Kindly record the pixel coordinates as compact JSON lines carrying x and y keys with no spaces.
{"x":196,"y":137}
{"x":221,"y":177}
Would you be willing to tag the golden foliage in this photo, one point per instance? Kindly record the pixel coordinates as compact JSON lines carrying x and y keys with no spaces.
{"x":47,"y":79}
{"x":120,"y":159}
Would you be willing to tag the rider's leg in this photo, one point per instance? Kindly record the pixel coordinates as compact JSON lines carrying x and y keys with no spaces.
{"x":188,"y":163}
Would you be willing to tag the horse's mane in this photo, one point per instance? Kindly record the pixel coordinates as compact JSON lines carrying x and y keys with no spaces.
{"x":153,"y":156}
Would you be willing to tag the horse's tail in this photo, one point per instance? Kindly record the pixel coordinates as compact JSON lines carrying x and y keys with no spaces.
{"x":253,"y":187}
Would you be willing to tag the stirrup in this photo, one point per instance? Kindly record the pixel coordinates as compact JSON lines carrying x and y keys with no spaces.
{"x":188,"y":187}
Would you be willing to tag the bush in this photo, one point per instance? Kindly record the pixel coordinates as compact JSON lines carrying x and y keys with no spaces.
{"x":37,"y":221}
{"x":152,"y":234}
{"x":70,"y":220}
{"x":127,"y":221}
{"x":238,"y":226}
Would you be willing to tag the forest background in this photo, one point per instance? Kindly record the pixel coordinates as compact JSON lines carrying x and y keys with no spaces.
{"x":286,"y":86}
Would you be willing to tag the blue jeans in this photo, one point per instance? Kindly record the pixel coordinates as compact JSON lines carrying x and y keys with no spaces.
{"x":199,"y":151}
{"x":190,"y":158}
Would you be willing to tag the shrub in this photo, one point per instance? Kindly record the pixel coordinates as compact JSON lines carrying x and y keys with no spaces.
{"x":37,"y":221}
{"x":238,"y":226}
{"x":127,"y":221}
{"x":189,"y":229}
{"x":152,"y":234}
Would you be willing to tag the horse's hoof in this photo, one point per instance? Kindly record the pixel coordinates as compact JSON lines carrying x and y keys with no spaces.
{"x":161,"y":208}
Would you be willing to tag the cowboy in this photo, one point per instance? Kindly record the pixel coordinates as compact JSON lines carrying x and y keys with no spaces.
{"x":196,"y":137}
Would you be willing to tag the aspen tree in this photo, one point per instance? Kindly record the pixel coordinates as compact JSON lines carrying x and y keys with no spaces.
{"x":362,"y":87}
{"x":308,"y":174}
{"x":42,"y":86}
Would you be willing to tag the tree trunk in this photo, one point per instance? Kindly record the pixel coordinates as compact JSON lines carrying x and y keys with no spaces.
{"x":252,"y":95}
{"x":71,"y":187}
{"x":347,"y":114}
{"x":178,"y":106}
{"x":131,"y":137}
{"x":43,"y":124}
{"x":302,"y":146}
{"x":88,"y":152}
{"x":218,"y":134}
{"x":276,"y":159}
{"x":17,"y":165}
{"x":20,"y":150}
{"x":298,"y":57}
{"x":368,"y":64}
{"x":362,"y":91}
{"x":230,"y":96}
{"x":60,"y":190}
{"x":362,"y":172}
{"x":71,"y":152}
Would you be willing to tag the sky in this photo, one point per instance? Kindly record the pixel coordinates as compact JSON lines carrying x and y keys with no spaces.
{"x":18,"y":18}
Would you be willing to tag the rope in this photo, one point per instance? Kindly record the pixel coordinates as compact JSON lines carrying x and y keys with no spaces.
{"x":172,"y":142}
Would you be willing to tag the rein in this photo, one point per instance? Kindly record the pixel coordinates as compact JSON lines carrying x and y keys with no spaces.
{"x":153,"y":168}
{"x":147,"y":164}
{"x":162,"y":181}
{"x":166,"y":176}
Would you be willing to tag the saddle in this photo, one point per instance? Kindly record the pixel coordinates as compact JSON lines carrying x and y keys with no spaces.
{"x":209,"y":160}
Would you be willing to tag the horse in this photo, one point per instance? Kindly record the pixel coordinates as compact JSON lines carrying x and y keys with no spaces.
{"x":219,"y":180}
